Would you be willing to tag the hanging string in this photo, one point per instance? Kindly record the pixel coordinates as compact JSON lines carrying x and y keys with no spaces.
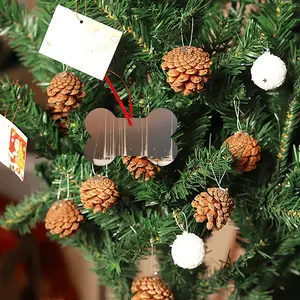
{"x":81,"y":172}
{"x":222,"y":177}
{"x":96,"y":147}
{"x":237,"y":113}
{"x":77,"y":5}
{"x":192,"y":32}
{"x":175,"y":214}
{"x":216,"y":180}
{"x":77,"y":11}
{"x":129,"y":115}
{"x":181,"y":33}
{"x":68,"y":187}
{"x":65,"y":68}
{"x":152,"y":257}
{"x":6,"y":111}
{"x":186,"y":221}
{"x":209,"y":143}
{"x":128,"y":92}
{"x":59,"y":188}
{"x":278,"y":124}
{"x":148,"y":109}
{"x":14,"y":116}
{"x":93,"y":170}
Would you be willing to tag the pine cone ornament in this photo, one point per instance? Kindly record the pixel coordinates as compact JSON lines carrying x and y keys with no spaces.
{"x":150,"y":288}
{"x":140,"y":165}
{"x":63,"y":218}
{"x":188,"y":69}
{"x":99,"y":193}
{"x":65,"y":93}
{"x":245,"y":151}
{"x":215,"y":206}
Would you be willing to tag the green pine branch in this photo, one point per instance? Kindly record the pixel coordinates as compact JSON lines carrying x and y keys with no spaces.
{"x":267,"y":208}
{"x":24,"y":215}
{"x":243,"y":272}
{"x":207,"y":165}
{"x":277,"y":21}
{"x":119,"y":12}
{"x":25,"y":33}
{"x":223,"y":277}
{"x":242,"y":53}
{"x":283,"y":198}
{"x":291,"y":123}
{"x":22,"y":110}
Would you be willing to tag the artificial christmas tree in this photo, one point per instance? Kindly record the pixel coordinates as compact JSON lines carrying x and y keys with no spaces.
{"x":266,"y":199}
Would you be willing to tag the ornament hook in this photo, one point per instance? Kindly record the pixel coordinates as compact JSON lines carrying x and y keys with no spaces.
{"x":237,"y":113}
{"x":184,"y":227}
{"x":59,"y":188}
{"x":68,"y":186}
{"x":218,"y":182}
{"x":192,"y":33}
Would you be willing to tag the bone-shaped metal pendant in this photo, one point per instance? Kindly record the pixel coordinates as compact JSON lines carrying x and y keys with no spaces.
{"x":150,"y":137}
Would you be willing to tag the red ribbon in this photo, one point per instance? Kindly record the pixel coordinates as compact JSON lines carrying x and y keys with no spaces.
{"x":129,"y":115}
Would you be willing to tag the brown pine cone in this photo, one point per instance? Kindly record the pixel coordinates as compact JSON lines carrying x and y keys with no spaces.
{"x":99,"y":193}
{"x":63,"y":218}
{"x":215,"y":206}
{"x":245,"y":151}
{"x":188,"y":69}
{"x":140,"y":165}
{"x":150,"y":288}
{"x":65,"y":93}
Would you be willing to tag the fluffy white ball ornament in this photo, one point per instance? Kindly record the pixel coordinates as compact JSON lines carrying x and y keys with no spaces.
{"x":268,"y":71}
{"x":188,"y":250}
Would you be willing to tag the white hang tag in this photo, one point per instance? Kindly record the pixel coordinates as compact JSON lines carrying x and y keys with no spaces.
{"x":13,"y":147}
{"x":81,"y":43}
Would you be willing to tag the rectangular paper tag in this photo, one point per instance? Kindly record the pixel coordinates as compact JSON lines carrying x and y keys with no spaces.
{"x":13,"y":147}
{"x":87,"y":46}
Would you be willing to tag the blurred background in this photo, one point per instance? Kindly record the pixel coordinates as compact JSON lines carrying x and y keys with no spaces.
{"x":32,"y":267}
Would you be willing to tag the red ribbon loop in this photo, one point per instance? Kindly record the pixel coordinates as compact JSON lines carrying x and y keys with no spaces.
{"x":129,"y":115}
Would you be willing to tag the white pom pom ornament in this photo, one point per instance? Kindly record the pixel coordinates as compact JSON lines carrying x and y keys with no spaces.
{"x":188,"y":250}
{"x":268,"y":71}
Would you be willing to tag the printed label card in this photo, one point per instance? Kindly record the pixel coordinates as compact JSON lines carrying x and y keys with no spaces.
{"x":80,"y":42}
{"x":13,"y":147}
